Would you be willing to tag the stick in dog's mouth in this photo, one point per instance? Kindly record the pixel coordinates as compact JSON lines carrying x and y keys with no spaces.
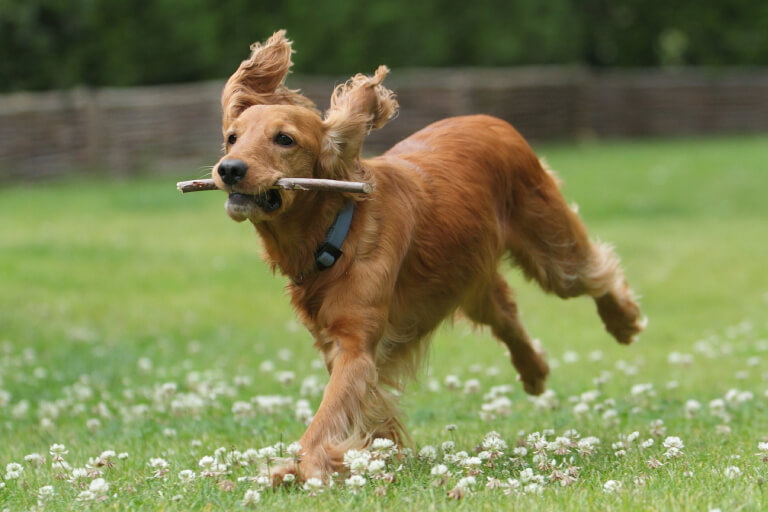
{"x":354,"y":187}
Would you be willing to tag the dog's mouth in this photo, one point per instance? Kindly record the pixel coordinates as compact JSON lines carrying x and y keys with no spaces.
{"x":241,"y":206}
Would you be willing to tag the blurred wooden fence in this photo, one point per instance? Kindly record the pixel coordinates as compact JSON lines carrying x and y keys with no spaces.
{"x":121,"y":130}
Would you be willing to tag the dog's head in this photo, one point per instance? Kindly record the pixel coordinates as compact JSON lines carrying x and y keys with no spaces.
{"x":268,"y":141}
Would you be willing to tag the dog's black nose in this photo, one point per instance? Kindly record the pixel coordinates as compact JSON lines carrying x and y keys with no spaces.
{"x":232,"y":170}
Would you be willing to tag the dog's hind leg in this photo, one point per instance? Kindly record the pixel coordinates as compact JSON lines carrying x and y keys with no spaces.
{"x":549,"y":241}
{"x":493,"y":305}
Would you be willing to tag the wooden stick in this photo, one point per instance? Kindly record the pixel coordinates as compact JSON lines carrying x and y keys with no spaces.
{"x":288,"y":184}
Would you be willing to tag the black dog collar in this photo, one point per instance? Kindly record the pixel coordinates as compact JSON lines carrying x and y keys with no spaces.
{"x":330,"y":250}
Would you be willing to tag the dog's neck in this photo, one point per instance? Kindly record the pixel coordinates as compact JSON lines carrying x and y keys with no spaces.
{"x":291,"y":240}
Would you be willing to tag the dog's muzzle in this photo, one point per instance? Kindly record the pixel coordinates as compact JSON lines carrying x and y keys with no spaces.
{"x":240,"y":206}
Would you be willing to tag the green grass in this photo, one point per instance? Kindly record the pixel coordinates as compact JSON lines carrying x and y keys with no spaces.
{"x":110,"y":289}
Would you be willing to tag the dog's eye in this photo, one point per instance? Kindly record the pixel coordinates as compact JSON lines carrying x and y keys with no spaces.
{"x":231,"y":139}
{"x":282,"y":139}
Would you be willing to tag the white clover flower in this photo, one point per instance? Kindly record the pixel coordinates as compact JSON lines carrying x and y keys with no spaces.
{"x":526,"y":475}
{"x":293,"y":450}
{"x":285,"y":378}
{"x":580,"y":409}
{"x":494,"y":443}
{"x":448,"y":446}
{"x":723,"y":430}
{"x":647,"y":443}
{"x":461,"y":456}
{"x":561,"y":445}
{"x":267,"y":366}
{"x":357,"y":460}
{"x":158,"y":463}
{"x":470,"y":462}
{"x":304,"y":412}
{"x":13,"y":470}
{"x":513,"y":484}
{"x":186,"y":475}
{"x":500,"y":405}
{"x":313,"y":484}
{"x":673,"y":442}
{"x":631,"y":438}
{"x":439,"y":470}
{"x":267,"y":453}
{"x":520,"y":451}
{"x":657,"y":428}
{"x":35,"y":459}
{"x":355,"y":482}
{"x":5,"y":398}
{"x":533,"y":488}
{"x":536,"y":441}
{"x":251,"y":497}
{"x":763,"y":447}
{"x":717,"y":406}
{"x":570,"y":357}
{"x":144,"y":364}
{"x":691,"y":408}
{"x":612,"y":486}
{"x":61,"y":465}
{"x":640,"y":390}
{"x":86,"y":496}
{"x":732,"y":472}
{"x":381,"y":443}
{"x":466,"y":483}
{"x":241,"y":409}
{"x":587,"y":445}
{"x":311,"y":386}
{"x":376,"y":467}
{"x":545,"y":401}
{"x":77,"y":473}
{"x":99,"y":487}
{"x":428,"y":453}
{"x":58,"y":450}
{"x":472,"y":386}
{"x":46,"y":492}
{"x":107,"y":454}
{"x":452,"y":382}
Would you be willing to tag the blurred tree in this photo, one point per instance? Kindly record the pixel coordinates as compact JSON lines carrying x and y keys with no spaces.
{"x":62,"y":43}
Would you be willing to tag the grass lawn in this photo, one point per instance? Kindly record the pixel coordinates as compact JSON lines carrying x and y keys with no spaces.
{"x":138,"y":321}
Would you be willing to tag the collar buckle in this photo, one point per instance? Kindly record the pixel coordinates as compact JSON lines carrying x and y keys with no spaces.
{"x":330,"y":250}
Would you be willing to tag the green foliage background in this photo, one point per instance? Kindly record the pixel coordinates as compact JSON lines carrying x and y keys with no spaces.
{"x":63,"y":43}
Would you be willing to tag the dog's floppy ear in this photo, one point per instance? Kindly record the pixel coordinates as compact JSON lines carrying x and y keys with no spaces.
{"x":357,"y":107}
{"x":259,"y":80}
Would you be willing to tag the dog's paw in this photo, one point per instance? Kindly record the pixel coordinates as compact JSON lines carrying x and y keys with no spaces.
{"x":621,"y":316}
{"x":285,"y":474}
{"x":293,"y":473}
{"x":532,"y":368}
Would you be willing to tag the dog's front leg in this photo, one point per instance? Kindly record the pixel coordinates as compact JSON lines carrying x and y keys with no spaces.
{"x":349,"y":412}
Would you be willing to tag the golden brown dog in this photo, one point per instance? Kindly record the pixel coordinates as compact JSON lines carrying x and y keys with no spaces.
{"x":449,"y":203}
